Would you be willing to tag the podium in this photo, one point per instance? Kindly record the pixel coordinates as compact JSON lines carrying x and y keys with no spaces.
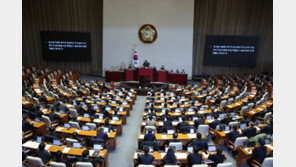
{"x":129,"y":75}
{"x":178,"y":78}
{"x":113,"y":76}
{"x":146,"y":72}
{"x":163,"y":76}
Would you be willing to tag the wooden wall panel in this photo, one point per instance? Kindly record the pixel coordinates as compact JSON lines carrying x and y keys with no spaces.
{"x":233,"y":17}
{"x":62,"y":15}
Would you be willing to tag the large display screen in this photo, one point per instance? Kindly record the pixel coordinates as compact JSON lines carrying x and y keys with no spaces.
{"x":66,"y":46}
{"x":231,"y":50}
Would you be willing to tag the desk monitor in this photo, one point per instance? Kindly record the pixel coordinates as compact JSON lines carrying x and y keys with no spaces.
{"x":194,"y":118}
{"x":212,"y":148}
{"x":67,"y":125}
{"x":257,"y":123}
{"x":98,"y":147}
{"x":86,"y":115}
{"x":56,"y":142}
{"x":84,"y":105}
{"x":221,"y":115}
{"x":96,"y":107}
{"x":102,"y":101}
{"x":92,"y":99}
{"x":243,"y":126}
{"x":37,"y":120}
{"x":101,"y":117}
{"x":186,"y":103}
{"x":77,"y":145}
{"x":232,"y":114}
{"x":86,"y":128}
{"x":62,"y":111}
{"x":192,"y":131}
{"x":227,"y":128}
{"x":202,"y":109}
{"x":115,"y":118}
{"x":213,"y":107}
{"x":39,"y":139}
{"x":209,"y":117}
{"x":176,"y":145}
{"x":267,"y":141}
{"x":190,"y":149}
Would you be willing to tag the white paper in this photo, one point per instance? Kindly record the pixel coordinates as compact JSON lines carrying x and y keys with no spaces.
{"x":269,"y":146}
{"x":112,"y":122}
{"x":77,"y":130}
{"x":205,"y":155}
{"x":163,"y":136}
{"x":142,"y":136}
{"x":91,"y":152}
{"x":66,"y":149}
{"x":78,"y":118}
{"x":143,"y":123}
{"x":162,"y":154}
{"x":136,"y":155}
{"x":160,"y":123}
{"x":181,"y":155}
{"x":59,"y":129}
{"x":47,"y":146}
{"x":174,"y":123}
{"x":191,"y":135}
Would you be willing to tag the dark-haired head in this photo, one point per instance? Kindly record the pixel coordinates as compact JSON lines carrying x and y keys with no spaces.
{"x":219,"y":151}
{"x":198,"y":135}
{"x":175,"y":135}
{"x":196,"y":149}
{"x":59,"y":154}
{"x":85,"y":153}
{"x":41,"y":146}
{"x":146,"y":149}
{"x":261,"y":142}
{"x":234,"y":127}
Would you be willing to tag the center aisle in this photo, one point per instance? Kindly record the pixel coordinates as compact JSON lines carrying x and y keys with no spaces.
{"x":127,"y":143}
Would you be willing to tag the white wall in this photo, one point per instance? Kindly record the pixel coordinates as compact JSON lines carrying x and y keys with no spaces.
{"x":173,"y":19}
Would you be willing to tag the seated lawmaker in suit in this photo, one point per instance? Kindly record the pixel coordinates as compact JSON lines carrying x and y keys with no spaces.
{"x":170,"y":157}
{"x":150,"y":136}
{"x":199,"y":142}
{"x":227,"y":119}
{"x":146,"y":64}
{"x":106,"y":125}
{"x":85,"y":158}
{"x":182,"y":126}
{"x":233,"y":134}
{"x":245,"y":119}
{"x":175,"y":136}
{"x":217,"y":158}
{"x":58,"y":158}
{"x":146,"y":158}
{"x":216,"y":122}
{"x":26,"y":125}
{"x":44,"y":155}
{"x":259,"y":153}
{"x":51,"y":135}
{"x":268,"y":129}
{"x":150,"y":121}
{"x":101,"y":134}
{"x":251,"y":131}
{"x":195,"y":158}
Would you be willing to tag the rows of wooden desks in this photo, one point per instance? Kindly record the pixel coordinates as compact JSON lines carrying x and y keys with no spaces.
{"x":66,"y":150}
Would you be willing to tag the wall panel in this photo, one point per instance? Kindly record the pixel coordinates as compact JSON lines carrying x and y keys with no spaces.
{"x":62,"y":15}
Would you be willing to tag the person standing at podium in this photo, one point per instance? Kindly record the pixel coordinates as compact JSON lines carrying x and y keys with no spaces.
{"x":146,"y":64}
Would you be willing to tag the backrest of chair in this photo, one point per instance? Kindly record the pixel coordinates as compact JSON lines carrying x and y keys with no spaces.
{"x":244,"y":109}
{"x":74,"y":124}
{"x":231,"y":124}
{"x":171,"y":166}
{"x":204,"y":129}
{"x":34,"y":161}
{"x":72,"y":112}
{"x":240,"y":141}
{"x":230,"y":100}
{"x":222,"y":104}
{"x":250,"y":106}
{"x":177,"y":145}
{"x":268,"y":162}
{"x":57,"y":164}
{"x":153,"y":128}
{"x":267,"y":116}
{"x":46,"y":120}
{"x":84,"y":164}
{"x":70,"y":141}
{"x":92,"y":126}
{"x":229,"y":164}
{"x":201,"y":165}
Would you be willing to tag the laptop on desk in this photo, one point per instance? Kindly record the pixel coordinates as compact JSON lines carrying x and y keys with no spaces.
{"x":77,"y":145}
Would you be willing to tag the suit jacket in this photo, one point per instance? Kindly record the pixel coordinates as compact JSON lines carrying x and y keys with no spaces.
{"x":44,"y":155}
{"x":181,"y":125}
{"x":226,"y":120}
{"x":169,"y":161}
{"x":26,"y":126}
{"x":250,"y":132}
{"x":194,"y":159}
{"x":216,"y":159}
{"x":150,"y":144}
{"x":167,"y":123}
{"x":146,"y":159}
{"x":268,"y":129}
{"x":214,"y":124}
{"x":260,"y":153}
{"x":149,"y":137}
{"x":102,"y":135}
{"x":233,"y":135}
{"x":202,"y":144}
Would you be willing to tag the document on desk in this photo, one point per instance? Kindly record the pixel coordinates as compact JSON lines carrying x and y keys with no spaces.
{"x":174,"y":123}
{"x":144,"y":123}
{"x":66,"y":149}
{"x":77,"y":130}
{"x":210,"y":120}
{"x":136,"y":155}
{"x":160,"y":123}
{"x":142,"y":136}
{"x":164,"y":136}
{"x":205,"y":155}
{"x":59,"y":129}
{"x":78,"y":118}
{"x":181,"y":155}
{"x":91,"y":152}
{"x":31,"y":144}
{"x":269,"y":146}
{"x":112,"y":122}
{"x":47,"y":146}
{"x":162,"y":155}
{"x":253,"y":112}
{"x":191,"y":136}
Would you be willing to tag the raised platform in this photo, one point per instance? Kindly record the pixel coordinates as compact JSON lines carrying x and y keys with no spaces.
{"x":143,"y":88}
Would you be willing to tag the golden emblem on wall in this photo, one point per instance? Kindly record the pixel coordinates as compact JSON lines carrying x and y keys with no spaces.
{"x":147,"y":33}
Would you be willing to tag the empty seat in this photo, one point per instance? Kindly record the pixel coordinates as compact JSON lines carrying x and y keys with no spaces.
{"x":204,"y":129}
{"x":34,"y":161}
{"x":57,"y":164}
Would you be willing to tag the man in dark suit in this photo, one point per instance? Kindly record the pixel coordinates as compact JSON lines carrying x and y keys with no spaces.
{"x":49,"y":137}
{"x":150,"y":136}
{"x":85,"y":158}
{"x":146,"y":158}
{"x":58,"y":158}
{"x":216,"y":122}
{"x":217,"y":158}
{"x":233,"y":134}
{"x":245,"y":119}
{"x":175,"y":136}
{"x":199,"y":142}
{"x":227,"y":119}
{"x":194,"y":158}
{"x":251,"y":131}
{"x":101,"y":134}
{"x":259,"y":153}
{"x":199,"y":121}
{"x":268,"y":129}
{"x":26,"y":125}
{"x":43,"y":154}
{"x":182,"y":126}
